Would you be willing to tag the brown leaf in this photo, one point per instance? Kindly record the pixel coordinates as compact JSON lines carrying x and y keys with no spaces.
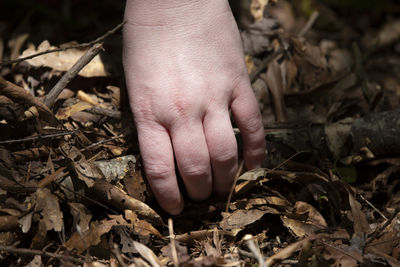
{"x":360,"y":222}
{"x":256,"y":38}
{"x":257,"y":8}
{"x":64,"y":60}
{"x":310,"y":214}
{"x":120,"y":199}
{"x":200,"y":235}
{"x":8,"y":223}
{"x":47,"y":205}
{"x":237,"y":220}
{"x":135,"y":184}
{"x":65,"y":113}
{"x":81,"y":215}
{"x":286,"y":252}
{"x":147,"y":254}
{"x":92,"y":237}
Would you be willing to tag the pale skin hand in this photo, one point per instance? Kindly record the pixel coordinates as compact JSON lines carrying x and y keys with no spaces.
{"x":185,"y":70}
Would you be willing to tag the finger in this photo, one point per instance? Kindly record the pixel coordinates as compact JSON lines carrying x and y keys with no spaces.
{"x":222,"y":148}
{"x":158,"y":160}
{"x":192,"y":158}
{"x":248,"y":118}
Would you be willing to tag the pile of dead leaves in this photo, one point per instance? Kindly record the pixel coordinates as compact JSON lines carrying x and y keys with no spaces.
{"x":328,"y":86}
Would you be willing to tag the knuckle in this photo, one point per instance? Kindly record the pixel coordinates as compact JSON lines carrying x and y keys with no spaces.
{"x":194,"y":169}
{"x":157,"y":172}
{"x":253,"y":123}
{"x":225,"y":155}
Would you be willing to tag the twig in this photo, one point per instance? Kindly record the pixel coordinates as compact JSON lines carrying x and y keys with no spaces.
{"x":378,"y":231}
{"x":264,"y":64}
{"x":339,"y":250}
{"x":172,"y":240}
{"x":373,"y":207}
{"x":105,"y":112}
{"x":33,"y":138}
{"x":71,"y":73}
{"x":101,"y":142}
{"x":88,"y":198}
{"x":239,"y":171}
{"x":246,"y":254}
{"x":27,"y":251}
{"x":309,"y":24}
{"x":98,"y":40}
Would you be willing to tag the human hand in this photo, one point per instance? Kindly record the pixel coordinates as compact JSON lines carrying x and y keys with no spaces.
{"x":184,"y":69}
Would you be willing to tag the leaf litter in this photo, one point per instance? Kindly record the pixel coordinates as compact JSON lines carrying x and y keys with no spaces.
{"x":71,"y":184}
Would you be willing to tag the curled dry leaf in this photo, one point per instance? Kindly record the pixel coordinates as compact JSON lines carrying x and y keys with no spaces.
{"x":122,"y":201}
{"x":147,"y":254}
{"x":142,"y":227}
{"x":65,"y":113}
{"x":64,"y":60}
{"x":305,"y":220}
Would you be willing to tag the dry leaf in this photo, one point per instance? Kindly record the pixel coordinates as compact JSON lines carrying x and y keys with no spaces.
{"x":81,"y":215}
{"x":91,"y":237}
{"x":257,"y":8}
{"x":147,"y":254}
{"x":47,"y":205}
{"x":115,"y":169}
{"x":237,"y":220}
{"x":256,"y":37}
{"x":64,"y":60}
{"x":120,"y":199}
{"x":361,"y":225}
{"x":65,"y":113}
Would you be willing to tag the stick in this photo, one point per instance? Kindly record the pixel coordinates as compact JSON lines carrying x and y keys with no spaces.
{"x":264,"y":64}
{"x":71,"y":73}
{"x":115,"y":114}
{"x":309,"y":24}
{"x":379,"y":230}
{"x":100,"y":142}
{"x":27,"y":251}
{"x":33,"y":138}
{"x":239,"y":171}
{"x":172,"y":240}
{"x":98,"y":40}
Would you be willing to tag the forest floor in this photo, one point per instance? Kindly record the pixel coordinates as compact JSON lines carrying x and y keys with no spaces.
{"x":327,"y":77}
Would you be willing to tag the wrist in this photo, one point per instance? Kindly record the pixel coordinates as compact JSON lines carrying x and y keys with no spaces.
{"x":171,"y":13}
